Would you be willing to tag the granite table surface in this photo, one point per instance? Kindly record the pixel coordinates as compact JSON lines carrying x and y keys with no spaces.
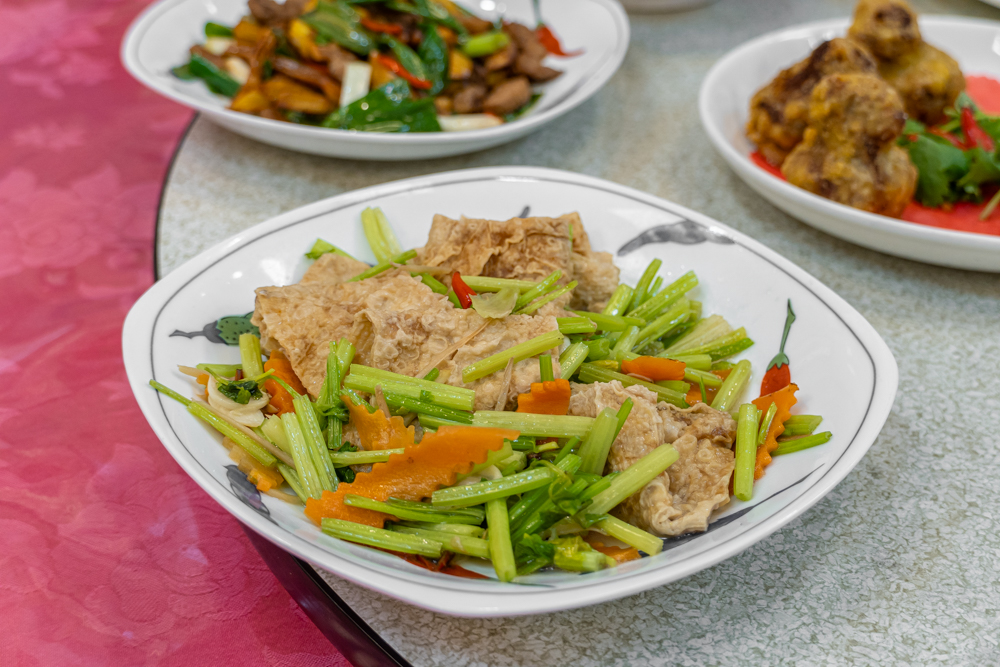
{"x":900,"y":564}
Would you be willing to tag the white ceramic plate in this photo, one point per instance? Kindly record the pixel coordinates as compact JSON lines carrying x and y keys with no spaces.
{"x":724,"y":104}
{"x":160,"y":37}
{"x":845,"y":371}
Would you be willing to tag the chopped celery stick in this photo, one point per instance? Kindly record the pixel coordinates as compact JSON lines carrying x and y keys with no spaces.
{"x":633,"y":478}
{"x":519,"y":352}
{"x":385,"y":266}
{"x":705,"y":331}
{"x":424,"y":408}
{"x":679,"y":386}
{"x":625,"y":343}
{"x":610,"y":322}
{"x":675,"y":316}
{"x":460,"y":544}
{"x":342,"y":459}
{"x":453,"y":528}
{"x":476,"y":494}
{"x":642,"y":287}
{"x":433,"y":423}
{"x":345,"y":355}
{"x":655,"y":287}
{"x":571,"y":358}
{"x":703,"y":377}
{"x":292,"y":478}
{"x":275,"y":432}
{"x":597,"y":444}
{"x":315,"y":443}
{"x":629,"y":534}
{"x":799,"y":443}
{"x":251,"y":446}
{"x":726,"y":346}
{"x":575,"y":325}
{"x":765,"y":423}
{"x":501,"y":551}
{"x":373,"y":232}
{"x":723,"y":365}
{"x":163,"y":389}
{"x":424,"y":514}
{"x":545,"y":368}
{"x":746,"y":451}
{"x":484,"y":284}
{"x":548,"y":298}
{"x":477,"y":513}
{"x":250,"y":355}
{"x":538,"y":290}
{"x":300,"y":454}
{"x":432,"y":375}
{"x":541,"y":426}
{"x":381,"y":538}
{"x":321,"y":248}
{"x":732,"y":387}
{"x":801,"y":425}
{"x":698,"y":362}
{"x":222,"y":370}
{"x":619,"y":301}
{"x":493,"y":458}
{"x":623,"y":412}
{"x":514,"y":463}
{"x":364,"y":378}
{"x":667,"y":297}
{"x":388,"y":235}
{"x":592,"y":373}
{"x":574,"y":555}
{"x":523,"y":444}
{"x":436,"y":285}
{"x":598,"y":348}
{"x":329,"y":393}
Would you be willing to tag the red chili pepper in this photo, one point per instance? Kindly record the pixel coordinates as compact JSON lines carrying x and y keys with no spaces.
{"x":397,"y":69}
{"x":779,"y":375}
{"x":551,"y":42}
{"x":462,"y":291}
{"x":952,"y":139}
{"x":379,"y":26}
{"x":975,"y":135}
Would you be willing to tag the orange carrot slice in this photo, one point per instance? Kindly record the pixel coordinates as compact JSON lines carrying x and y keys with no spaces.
{"x":620,"y":554}
{"x":655,"y":368}
{"x":282,"y":368}
{"x":785,"y":399}
{"x":413,"y":475}
{"x":377,"y":432}
{"x":546,"y":398}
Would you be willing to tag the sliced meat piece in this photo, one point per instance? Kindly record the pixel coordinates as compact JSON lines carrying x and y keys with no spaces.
{"x":270,"y":12}
{"x":474,"y":24}
{"x":524,"y":249}
{"x":498,"y":336}
{"x":526,"y":39}
{"x":333,"y":269}
{"x":682,"y":499}
{"x":306,"y":74}
{"x":503,"y":58}
{"x":508,"y":97}
{"x":285,"y":93}
{"x":396,"y":322}
{"x":534,"y":69}
{"x":470,"y":98}
{"x":336,"y":59}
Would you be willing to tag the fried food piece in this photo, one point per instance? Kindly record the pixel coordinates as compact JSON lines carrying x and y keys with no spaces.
{"x":849,"y":152}
{"x":928,"y":79}
{"x":887,"y":28}
{"x":524,"y":249}
{"x":779,"y":111}
{"x":681,"y":499}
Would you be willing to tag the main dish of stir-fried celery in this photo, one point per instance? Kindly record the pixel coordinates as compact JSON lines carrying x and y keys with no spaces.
{"x":374,"y":65}
{"x":498,"y":395}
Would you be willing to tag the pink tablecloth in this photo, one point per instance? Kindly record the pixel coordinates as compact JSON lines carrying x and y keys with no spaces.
{"x":109,"y":554}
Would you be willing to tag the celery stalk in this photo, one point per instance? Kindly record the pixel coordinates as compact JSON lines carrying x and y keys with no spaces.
{"x":381,"y":538}
{"x":801,"y":424}
{"x":519,"y":352}
{"x":667,"y":297}
{"x":364,"y":378}
{"x":292,"y":479}
{"x":548,"y":298}
{"x":387,"y":233}
{"x":315,"y":443}
{"x":571,"y":358}
{"x":746,"y":451}
{"x":252,"y":448}
{"x":593,"y":373}
{"x":629,"y":534}
{"x":619,"y":301}
{"x":538,"y":290}
{"x":732,"y":387}
{"x":544,"y":426}
{"x":765,"y":423}
{"x":799,"y":443}
{"x":381,"y":267}
{"x":575,"y":325}
{"x":364,"y":457}
{"x":460,"y":544}
{"x":625,"y":343}
{"x":642,"y":287}
{"x":676,"y":315}
{"x":485,"y":284}
{"x":250,"y":355}
{"x":425,"y":513}
{"x":597,"y":444}
{"x":501,"y":550}
{"x":698,"y":362}
{"x":632,"y":479}
{"x":453,"y":528}
{"x":695,"y":376}
{"x":373,"y":232}
{"x":300,"y":454}
{"x":475,"y":494}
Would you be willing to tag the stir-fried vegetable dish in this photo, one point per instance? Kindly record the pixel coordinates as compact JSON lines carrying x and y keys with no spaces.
{"x":375,"y":65}
{"x":497,"y":401}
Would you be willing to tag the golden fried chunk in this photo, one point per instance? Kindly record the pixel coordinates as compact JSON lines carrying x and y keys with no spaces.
{"x":524,"y":249}
{"x":682,"y":499}
{"x":928,"y":79}
{"x":849,"y":152}
{"x":887,"y":28}
{"x":779,"y":110}
{"x":333,"y":268}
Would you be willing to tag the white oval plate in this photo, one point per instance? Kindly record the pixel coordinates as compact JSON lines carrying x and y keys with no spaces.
{"x":845,"y":371}
{"x":724,"y":103}
{"x":160,"y":37}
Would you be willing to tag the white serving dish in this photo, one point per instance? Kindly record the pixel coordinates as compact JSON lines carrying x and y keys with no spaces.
{"x":724,"y":102}
{"x":160,"y":37}
{"x":844,"y":369}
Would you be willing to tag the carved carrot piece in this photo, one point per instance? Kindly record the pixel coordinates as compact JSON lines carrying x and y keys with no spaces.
{"x":546,"y":398}
{"x":655,"y":368}
{"x":785,"y":399}
{"x":378,"y":432}
{"x":282,"y":368}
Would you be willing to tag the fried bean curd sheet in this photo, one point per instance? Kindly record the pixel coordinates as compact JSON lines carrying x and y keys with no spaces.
{"x":524,"y":249}
{"x":396,"y":323}
{"x":683,"y":497}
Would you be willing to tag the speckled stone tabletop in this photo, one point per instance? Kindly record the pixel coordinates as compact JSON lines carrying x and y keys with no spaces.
{"x":900,"y":564}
